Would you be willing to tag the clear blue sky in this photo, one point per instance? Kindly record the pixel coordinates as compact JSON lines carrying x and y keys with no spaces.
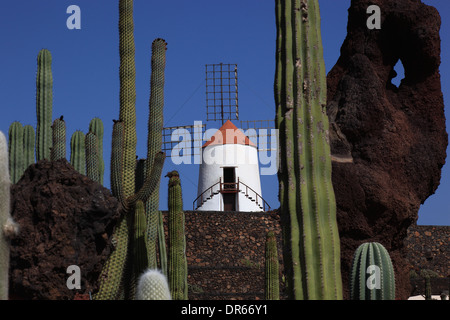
{"x":198,"y":32}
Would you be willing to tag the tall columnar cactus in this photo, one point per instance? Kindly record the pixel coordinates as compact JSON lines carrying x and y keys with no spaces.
{"x":153,"y":286}
{"x":92,"y":158}
{"x":177,"y":263}
{"x":7,"y":227}
{"x":307,"y":200}
{"x":123,"y":160}
{"x":96,"y":126}
{"x":16,"y":148}
{"x":272,"y":278}
{"x":139,"y":246}
{"x":162,"y":244}
{"x":44,"y":105}
{"x":28,"y":145}
{"x":78,"y":151}
{"x":372,"y":274}
{"x":58,"y":150}
{"x":127,"y":74}
{"x":155,"y":125}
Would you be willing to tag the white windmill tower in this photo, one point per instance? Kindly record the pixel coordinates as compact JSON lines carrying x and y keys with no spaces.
{"x":229,"y":172}
{"x":229,"y":177}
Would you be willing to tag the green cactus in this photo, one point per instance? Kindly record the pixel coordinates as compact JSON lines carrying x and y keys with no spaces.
{"x":28,"y":145}
{"x":78,"y":151}
{"x":44,"y":105}
{"x":96,"y":126}
{"x":372,"y":274}
{"x":153,"y":286}
{"x":16,"y":148}
{"x":127,"y":74}
{"x":177,"y":263}
{"x":7,"y":226}
{"x":162,"y":244}
{"x":123,"y":161}
{"x":58,"y":150}
{"x":139,"y":246}
{"x":92,"y":158}
{"x":272,"y":279}
{"x":154,"y":143}
{"x":307,"y":201}
{"x":428,"y":294}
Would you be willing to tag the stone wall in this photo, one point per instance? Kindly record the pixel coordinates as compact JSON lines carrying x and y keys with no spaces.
{"x":428,"y":248}
{"x":225,"y":252}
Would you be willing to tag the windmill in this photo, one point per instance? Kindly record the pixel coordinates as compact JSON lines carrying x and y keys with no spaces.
{"x":221,"y":105}
{"x":186,"y":141}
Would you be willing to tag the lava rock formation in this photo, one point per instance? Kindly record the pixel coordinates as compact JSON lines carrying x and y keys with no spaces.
{"x":65,"y":219}
{"x":388,"y":143}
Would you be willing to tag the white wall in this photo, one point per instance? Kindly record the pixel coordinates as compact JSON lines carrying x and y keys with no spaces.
{"x":244,"y":158}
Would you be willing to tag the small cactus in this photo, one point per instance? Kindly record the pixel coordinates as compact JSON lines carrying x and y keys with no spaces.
{"x":272,"y":279}
{"x":369,"y":259}
{"x":153,"y":286}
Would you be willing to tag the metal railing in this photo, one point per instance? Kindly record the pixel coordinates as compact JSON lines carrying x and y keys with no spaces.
{"x":231,"y":187}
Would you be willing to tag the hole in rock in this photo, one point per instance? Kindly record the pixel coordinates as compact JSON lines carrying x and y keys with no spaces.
{"x":399,"y":74}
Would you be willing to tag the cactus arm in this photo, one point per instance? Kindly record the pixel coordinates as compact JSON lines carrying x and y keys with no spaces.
{"x":16,"y":159}
{"x":28,"y":145}
{"x":127,"y":73}
{"x":151,"y":182}
{"x":92,"y":158}
{"x":177,"y":267}
{"x":162,"y":244}
{"x":58,"y":150}
{"x":78,"y":151}
{"x":116,"y":160}
{"x":110,"y":280}
{"x":44,"y":104}
{"x":140,"y":248}
{"x":96,"y":126}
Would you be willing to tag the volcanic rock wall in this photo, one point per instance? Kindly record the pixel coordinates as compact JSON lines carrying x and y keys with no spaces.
{"x":389,"y":143}
{"x":225,"y":253}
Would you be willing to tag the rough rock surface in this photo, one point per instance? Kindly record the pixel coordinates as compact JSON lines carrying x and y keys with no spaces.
{"x":389,"y":142}
{"x":65,"y":219}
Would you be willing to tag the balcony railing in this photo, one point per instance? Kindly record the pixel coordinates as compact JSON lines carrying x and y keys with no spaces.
{"x":232,"y":187}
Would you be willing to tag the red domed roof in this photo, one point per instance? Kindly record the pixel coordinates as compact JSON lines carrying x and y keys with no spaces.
{"x":229,"y":134}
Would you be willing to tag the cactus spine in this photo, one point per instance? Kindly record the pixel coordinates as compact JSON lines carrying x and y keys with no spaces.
{"x":58,"y":150}
{"x":123,"y":159}
{"x":96,"y":127}
{"x":372,"y":274}
{"x":16,"y":148}
{"x":307,"y":202}
{"x":44,"y":104}
{"x":177,"y":263}
{"x":78,"y":152}
{"x":153,"y":286}
{"x":272,"y":279}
